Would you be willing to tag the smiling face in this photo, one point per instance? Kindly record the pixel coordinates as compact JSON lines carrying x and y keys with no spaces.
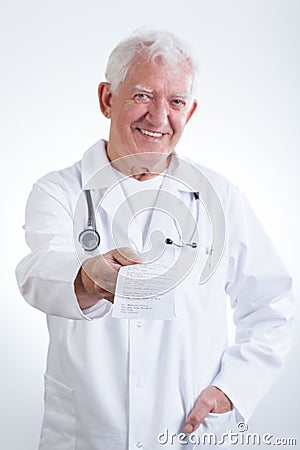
{"x":149,"y":111}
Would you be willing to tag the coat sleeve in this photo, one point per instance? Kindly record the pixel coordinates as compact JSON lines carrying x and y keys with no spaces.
{"x":46,"y":276}
{"x":260,"y":293}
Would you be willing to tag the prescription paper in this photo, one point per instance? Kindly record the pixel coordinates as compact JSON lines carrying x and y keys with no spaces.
{"x":144,"y":291}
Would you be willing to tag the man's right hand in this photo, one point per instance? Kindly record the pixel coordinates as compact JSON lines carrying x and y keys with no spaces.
{"x":98,"y":275}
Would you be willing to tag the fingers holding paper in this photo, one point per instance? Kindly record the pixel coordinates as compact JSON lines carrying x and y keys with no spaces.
{"x":98,"y":275}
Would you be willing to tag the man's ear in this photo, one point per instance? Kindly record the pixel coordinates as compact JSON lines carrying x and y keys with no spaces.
{"x":192,"y":110}
{"x":105,"y":94}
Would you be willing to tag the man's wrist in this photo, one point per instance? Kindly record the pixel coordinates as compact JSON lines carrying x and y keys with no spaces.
{"x":84,"y":288}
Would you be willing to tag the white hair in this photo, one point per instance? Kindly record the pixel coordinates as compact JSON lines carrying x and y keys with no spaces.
{"x":152,"y":44}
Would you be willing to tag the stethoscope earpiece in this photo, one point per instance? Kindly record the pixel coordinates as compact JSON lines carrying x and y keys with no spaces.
{"x":169,"y":241}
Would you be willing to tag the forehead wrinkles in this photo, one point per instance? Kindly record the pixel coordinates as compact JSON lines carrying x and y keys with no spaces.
{"x":146,"y":73}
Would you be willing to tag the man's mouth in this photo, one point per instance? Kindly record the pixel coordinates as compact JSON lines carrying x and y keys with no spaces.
{"x":154,"y":134}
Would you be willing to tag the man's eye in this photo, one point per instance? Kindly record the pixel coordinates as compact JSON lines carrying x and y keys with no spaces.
{"x":141,"y":98}
{"x":178,"y":103}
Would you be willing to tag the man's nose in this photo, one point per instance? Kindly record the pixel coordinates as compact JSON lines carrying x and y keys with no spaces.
{"x":158,"y":113}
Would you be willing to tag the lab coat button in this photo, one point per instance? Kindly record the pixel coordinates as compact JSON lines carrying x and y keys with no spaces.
{"x":139,"y":384}
{"x":139,"y":445}
{"x":139,"y":324}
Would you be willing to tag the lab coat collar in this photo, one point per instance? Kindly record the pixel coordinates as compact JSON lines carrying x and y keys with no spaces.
{"x":181,"y":175}
{"x":97,"y":172}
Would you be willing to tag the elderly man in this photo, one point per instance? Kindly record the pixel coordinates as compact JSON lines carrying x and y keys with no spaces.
{"x":163,"y":373}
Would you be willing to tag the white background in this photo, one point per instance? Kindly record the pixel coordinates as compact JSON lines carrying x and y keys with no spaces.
{"x":247,"y":127}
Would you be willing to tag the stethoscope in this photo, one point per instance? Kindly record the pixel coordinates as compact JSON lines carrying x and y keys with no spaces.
{"x":89,"y":238}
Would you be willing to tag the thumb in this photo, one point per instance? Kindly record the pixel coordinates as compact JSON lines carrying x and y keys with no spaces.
{"x":126,"y":256}
{"x":197,"y":415}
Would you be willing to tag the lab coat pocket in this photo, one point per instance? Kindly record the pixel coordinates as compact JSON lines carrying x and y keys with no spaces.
{"x":213,"y":431}
{"x":59,"y":424}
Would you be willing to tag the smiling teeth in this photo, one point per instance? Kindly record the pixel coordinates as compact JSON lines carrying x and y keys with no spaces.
{"x":151,"y":133}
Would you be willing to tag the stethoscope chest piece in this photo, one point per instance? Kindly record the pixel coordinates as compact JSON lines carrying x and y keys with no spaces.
{"x":89,"y":239}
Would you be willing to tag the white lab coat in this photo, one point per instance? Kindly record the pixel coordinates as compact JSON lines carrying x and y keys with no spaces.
{"x":116,"y":384}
